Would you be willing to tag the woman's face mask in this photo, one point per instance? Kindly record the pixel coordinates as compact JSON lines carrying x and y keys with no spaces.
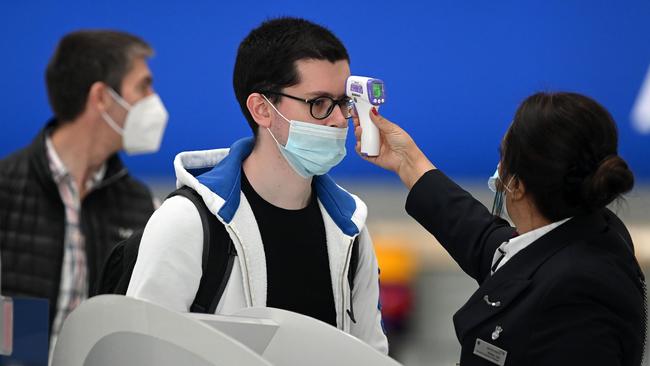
{"x":496,"y":185}
{"x":311,"y":149}
{"x":144,"y":125}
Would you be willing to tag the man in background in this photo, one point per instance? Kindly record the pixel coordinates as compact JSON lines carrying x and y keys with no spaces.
{"x":66,"y":198}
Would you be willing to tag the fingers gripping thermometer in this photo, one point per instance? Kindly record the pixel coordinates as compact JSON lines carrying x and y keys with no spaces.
{"x":366,"y":93}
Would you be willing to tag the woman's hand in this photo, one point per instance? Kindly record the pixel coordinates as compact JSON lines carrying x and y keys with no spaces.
{"x":398,"y":152}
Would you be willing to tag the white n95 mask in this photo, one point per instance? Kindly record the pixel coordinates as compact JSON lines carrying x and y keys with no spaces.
{"x":312,"y":149}
{"x":144,"y":125}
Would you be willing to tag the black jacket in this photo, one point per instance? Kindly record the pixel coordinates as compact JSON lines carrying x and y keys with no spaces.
{"x":575,"y":296}
{"x":32,"y":221}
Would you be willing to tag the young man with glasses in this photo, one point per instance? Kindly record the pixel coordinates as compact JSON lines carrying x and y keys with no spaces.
{"x":294,"y":229}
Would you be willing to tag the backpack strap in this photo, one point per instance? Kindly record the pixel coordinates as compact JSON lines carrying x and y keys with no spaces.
{"x":218,"y":255}
{"x":352,"y":271}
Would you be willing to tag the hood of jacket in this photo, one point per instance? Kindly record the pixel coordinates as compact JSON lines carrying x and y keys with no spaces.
{"x":216,"y":176}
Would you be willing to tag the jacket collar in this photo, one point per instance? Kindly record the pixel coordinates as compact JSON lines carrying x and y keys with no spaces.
{"x":220,"y":172}
{"x":40,"y":164}
{"x":528,"y":260}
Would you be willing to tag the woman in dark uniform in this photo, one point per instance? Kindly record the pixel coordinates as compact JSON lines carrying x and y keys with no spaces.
{"x":561,"y":287}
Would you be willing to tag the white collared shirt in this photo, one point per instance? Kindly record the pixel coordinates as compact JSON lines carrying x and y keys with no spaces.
{"x":510,"y":248}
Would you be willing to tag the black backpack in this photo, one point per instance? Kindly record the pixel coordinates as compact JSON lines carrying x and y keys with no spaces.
{"x":218,"y":257}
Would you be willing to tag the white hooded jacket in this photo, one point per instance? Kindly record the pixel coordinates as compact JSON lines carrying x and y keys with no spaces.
{"x":168,"y":268}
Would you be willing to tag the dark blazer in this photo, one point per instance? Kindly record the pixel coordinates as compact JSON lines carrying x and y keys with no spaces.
{"x":575,"y":296}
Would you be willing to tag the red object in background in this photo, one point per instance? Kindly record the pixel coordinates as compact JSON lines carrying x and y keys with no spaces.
{"x":396,"y":303}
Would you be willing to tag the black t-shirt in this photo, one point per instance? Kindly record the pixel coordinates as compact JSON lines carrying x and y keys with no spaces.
{"x":297,"y":264}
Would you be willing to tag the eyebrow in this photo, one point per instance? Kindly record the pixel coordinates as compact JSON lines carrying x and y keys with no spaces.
{"x":319,"y":93}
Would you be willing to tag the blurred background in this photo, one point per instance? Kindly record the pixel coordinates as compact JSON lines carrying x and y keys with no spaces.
{"x":454,"y":73}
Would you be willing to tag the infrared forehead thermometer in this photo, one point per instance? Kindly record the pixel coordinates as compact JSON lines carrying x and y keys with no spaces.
{"x":366,"y":93}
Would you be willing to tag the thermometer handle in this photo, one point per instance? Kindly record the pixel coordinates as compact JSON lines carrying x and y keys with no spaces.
{"x":370,"y":135}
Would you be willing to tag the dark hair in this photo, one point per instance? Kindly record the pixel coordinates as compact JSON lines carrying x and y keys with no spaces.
{"x":266,"y":59}
{"x":84,"y":57}
{"x":564,"y":148}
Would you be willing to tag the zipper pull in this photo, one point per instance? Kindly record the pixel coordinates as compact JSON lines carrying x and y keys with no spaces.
{"x":351,"y":314}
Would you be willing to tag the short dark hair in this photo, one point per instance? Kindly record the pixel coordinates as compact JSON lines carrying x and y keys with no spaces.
{"x":84,"y":57}
{"x":564,"y":148}
{"x":266,"y":59}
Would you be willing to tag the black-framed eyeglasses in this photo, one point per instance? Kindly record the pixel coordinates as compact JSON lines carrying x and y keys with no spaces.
{"x":321,"y":107}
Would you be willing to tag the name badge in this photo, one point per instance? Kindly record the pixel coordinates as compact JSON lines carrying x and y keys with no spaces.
{"x":490,"y":352}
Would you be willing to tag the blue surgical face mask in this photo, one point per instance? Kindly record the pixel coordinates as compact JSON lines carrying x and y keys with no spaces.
{"x":499,"y":207}
{"x":312,"y":149}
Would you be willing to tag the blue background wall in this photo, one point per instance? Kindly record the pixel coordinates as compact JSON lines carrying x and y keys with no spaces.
{"x":455,"y":70}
